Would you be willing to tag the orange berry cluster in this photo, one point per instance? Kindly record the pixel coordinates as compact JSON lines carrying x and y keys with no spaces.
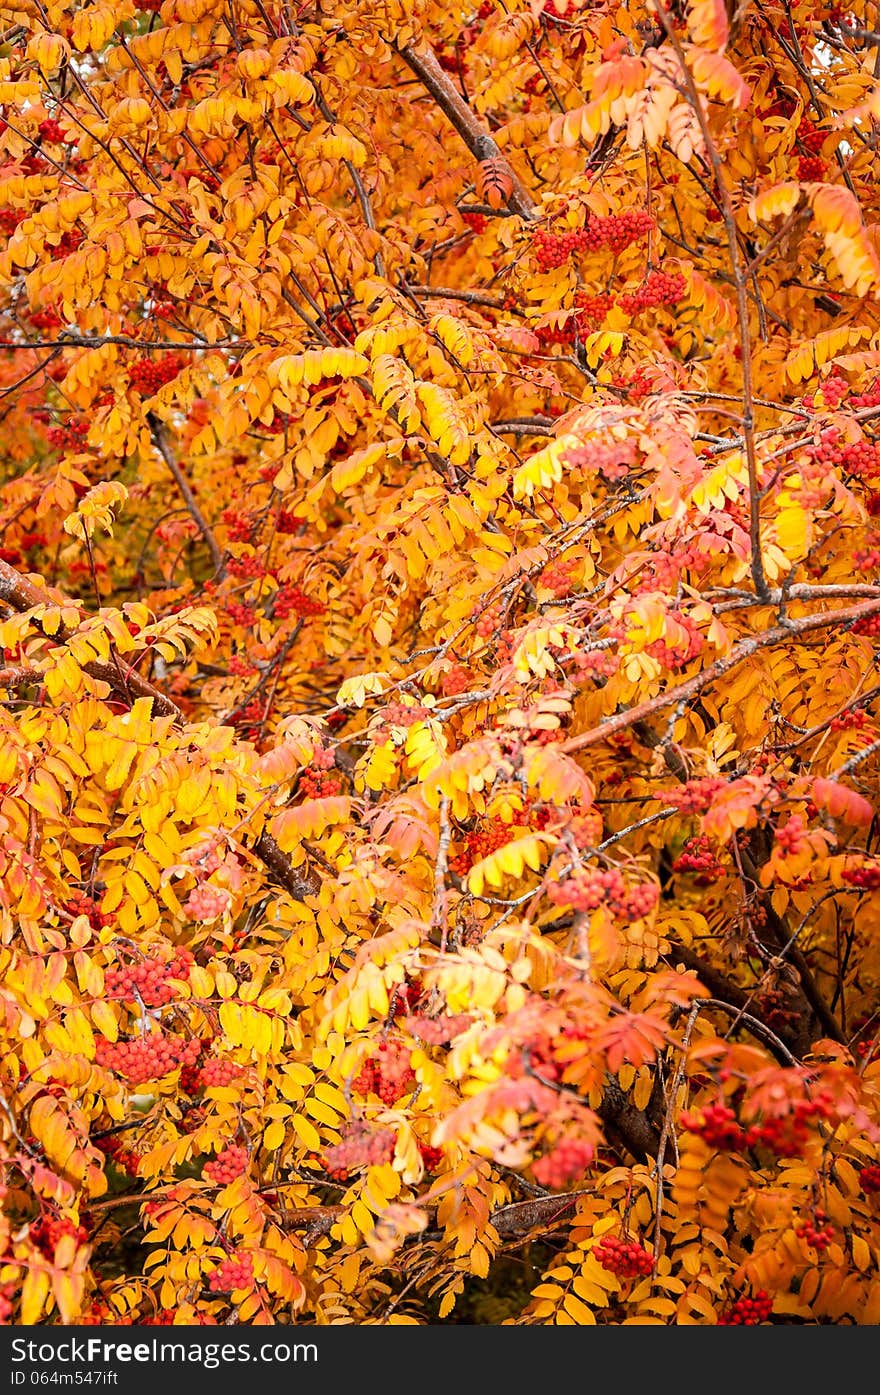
{"x":437,"y":1031}
{"x":567,"y":1162}
{"x":228,"y":1165}
{"x":148,"y":375}
{"x":48,"y":1230}
{"x":146,"y":1058}
{"x":149,"y":980}
{"x":625,"y":1258}
{"x":747,"y":1312}
{"x":232,"y":1274}
{"x":388,"y":1074}
{"x":358,"y":1147}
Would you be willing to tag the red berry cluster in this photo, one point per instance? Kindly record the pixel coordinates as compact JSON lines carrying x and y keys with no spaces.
{"x":288,"y":522}
{"x":810,"y":137}
{"x":218,"y":1071}
{"x":148,"y":375}
{"x":636,"y":386}
{"x":241,"y":614}
{"x":814,"y":1233}
{"x":613,"y":460}
{"x":658,"y":288}
{"x":249,"y":566}
{"x":149,"y":980}
{"x":232,"y":1274}
{"x":51,"y":130}
{"x":811,"y":167}
{"x":388,"y":1074}
{"x":48,"y":1230}
{"x":358,"y":1147}
{"x":70,"y":242}
{"x":717,"y":1125}
{"x":870,"y":627}
{"x":614,"y":233}
{"x":866,"y":876}
{"x":790,"y":837}
{"x":10,"y":219}
{"x":695,"y":796}
{"x":112,"y":1145}
{"x":80,"y":904}
{"x":69,"y":434}
{"x":316,"y":780}
{"x":860,"y":459}
{"x":565,"y":1163}
{"x":240,"y":667}
{"x":866,"y":559}
{"x":833,"y":390}
{"x":228,"y":1165}
{"x":431,"y":1157}
{"x":240,"y":526}
{"x":494,"y":834}
{"x":475,"y":221}
{"x":146,"y":1058}
{"x":747,"y":1312}
{"x":786,"y":1134}
{"x":871,"y":398}
{"x":397,"y":715}
{"x":292,"y":600}
{"x":854,"y":717}
{"x":698,"y":856}
{"x":869,"y":1178}
{"x":626,"y":1258}
{"x":46,"y":319}
{"x":592,"y":308}
{"x":682,"y":644}
{"x":586,"y":891}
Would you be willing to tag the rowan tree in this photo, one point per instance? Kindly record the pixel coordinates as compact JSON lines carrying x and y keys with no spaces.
{"x":440,"y":586}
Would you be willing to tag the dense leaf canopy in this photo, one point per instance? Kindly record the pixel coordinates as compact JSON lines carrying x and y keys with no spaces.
{"x":439,"y":609}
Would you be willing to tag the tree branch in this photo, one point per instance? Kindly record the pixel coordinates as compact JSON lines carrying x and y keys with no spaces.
{"x":160,"y":441}
{"x":424,"y":64}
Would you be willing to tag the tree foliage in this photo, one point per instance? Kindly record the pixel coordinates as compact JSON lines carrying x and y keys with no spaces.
{"x":440,"y":587}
